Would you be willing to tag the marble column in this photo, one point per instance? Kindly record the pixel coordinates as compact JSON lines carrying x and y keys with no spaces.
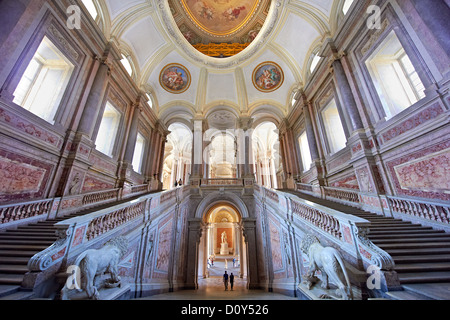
{"x":436,"y":15}
{"x":132,"y":135}
{"x":252,"y":260}
{"x":93,"y":104}
{"x":310,"y":133}
{"x":346,"y":95}
{"x":195,"y":227}
{"x":197,"y":150}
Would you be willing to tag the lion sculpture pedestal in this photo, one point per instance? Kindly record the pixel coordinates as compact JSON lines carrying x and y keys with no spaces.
{"x":92,"y":268}
{"x":331,"y":264}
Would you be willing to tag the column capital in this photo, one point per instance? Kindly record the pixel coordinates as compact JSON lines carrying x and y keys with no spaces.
{"x":245,"y":123}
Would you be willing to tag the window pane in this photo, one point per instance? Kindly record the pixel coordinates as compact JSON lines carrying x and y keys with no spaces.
{"x":138,"y":153}
{"x":333,"y":128}
{"x":305,"y":152}
{"x":395,"y":79}
{"x":44,"y":82}
{"x":107,"y":132}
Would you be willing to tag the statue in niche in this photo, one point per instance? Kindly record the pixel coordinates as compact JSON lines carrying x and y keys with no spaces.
{"x":330,"y":262}
{"x":74,"y":184}
{"x":224,"y":237}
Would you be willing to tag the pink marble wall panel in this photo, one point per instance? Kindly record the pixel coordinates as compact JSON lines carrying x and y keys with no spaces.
{"x":275,"y":240}
{"x":22,"y":178}
{"x":429,"y":173}
{"x":419,"y":173}
{"x":79,"y":236}
{"x":92,"y":184}
{"x":29,"y":128}
{"x":426,"y":115}
{"x":164,"y":247}
{"x":349,"y":182}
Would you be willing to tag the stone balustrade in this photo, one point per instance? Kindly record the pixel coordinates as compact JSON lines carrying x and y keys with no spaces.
{"x":342,"y":194}
{"x":113,"y":220}
{"x":80,"y":233}
{"x":428,"y":210}
{"x":433,"y":213}
{"x":22,"y":211}
{"x":95,"y":197}
{"x":222,"y":182}
{"x":347,"y":232}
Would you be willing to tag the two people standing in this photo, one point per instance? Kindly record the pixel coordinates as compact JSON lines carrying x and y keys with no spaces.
{"x":229,"y":278}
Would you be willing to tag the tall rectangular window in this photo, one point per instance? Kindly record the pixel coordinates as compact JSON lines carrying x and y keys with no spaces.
{"x":305,"y":151}
{"x":138,"y":156}
{"x":107,"y":133}
{"x":334,"y":130}
{"x":395,"y":79}
{"x":44,"y":82}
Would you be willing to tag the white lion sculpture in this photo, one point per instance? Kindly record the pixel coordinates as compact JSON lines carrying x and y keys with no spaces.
{"x":329,"y":261}
{"x":93,"y":263}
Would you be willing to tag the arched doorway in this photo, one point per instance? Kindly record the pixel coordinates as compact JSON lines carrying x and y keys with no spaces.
{"x":198,"y":241}
{"x":222,"y":245}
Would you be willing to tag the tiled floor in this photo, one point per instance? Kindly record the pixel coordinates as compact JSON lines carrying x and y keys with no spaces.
{"x":214,"y":289}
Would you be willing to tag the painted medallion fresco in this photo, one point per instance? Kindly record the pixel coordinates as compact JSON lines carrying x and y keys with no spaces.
{"x":268,"y":77}
{"x":175,"y":78}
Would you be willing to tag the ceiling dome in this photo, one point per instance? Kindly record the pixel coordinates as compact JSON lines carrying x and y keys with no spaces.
{"x":233,"y":24}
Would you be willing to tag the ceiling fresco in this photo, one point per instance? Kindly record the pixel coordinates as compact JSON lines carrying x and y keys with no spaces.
{"x":205,"y":22}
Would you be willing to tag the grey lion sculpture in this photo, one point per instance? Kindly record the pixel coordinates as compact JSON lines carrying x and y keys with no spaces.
{"x":93,"y":263}
{"x":330,"y":263}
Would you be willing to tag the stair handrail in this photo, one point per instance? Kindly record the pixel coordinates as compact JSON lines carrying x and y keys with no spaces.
{"x":77,"y":231}
{"x":431,"y":210}
{"x":348,"y":232}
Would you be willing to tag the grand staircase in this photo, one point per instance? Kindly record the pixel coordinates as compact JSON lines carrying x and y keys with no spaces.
{"x":16,"y":249}
{"x":17,"y":246}
{"x":421,"y":254}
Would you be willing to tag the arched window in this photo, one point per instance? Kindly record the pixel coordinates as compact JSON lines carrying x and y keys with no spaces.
{"x":126,"y":63}
{"x":314,"y":62}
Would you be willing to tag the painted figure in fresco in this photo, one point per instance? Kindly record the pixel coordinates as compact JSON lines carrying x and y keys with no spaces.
{"x":269,"y":78}
{"x":173,"y":79}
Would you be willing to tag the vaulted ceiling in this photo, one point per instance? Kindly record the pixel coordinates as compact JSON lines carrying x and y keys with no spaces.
{"x":148,"y":32}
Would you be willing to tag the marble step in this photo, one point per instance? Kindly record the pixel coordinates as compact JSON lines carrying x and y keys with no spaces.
{"x":439,"y":235}
{"x":417,"y":252}
{"x":51,"y":233}
{"x":20,"y":236}
{"x":22,"y":247}
{"x":422,"y":267}
{"x":15,"y":260}
{"x":11,"y":279}
{"x":416,"y":245}
{"x":379,"y":242}
{"x":36,"y":226}
{"x":422,"y":258}
{"x":13,"y":269}
{"x":29,"y":241}
{"x":14,"y":253}
{"x":399,"y":227}
{"x":424,"y":277}
{"x":386,"y":232}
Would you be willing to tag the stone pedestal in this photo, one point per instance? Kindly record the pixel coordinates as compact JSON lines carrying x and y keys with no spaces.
{"x":224,"y":250}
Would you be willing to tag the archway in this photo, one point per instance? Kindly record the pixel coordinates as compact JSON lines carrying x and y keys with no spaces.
{"x":245,"y":233}
{"x":222,"y":245}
